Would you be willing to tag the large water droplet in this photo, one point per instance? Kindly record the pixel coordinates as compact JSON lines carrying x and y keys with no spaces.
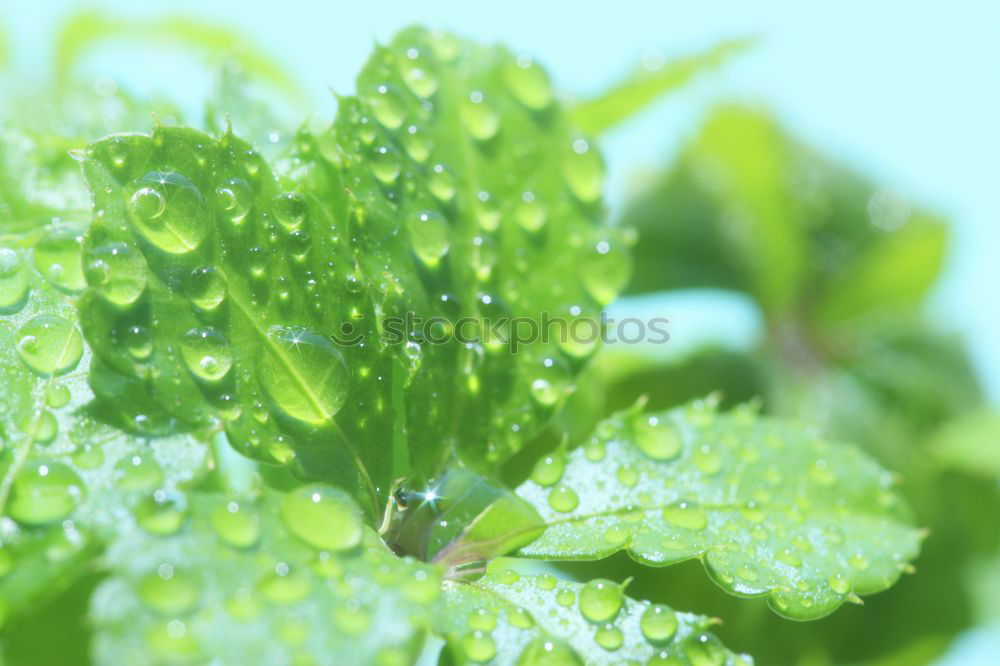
{"x":169,"y":212}
{"x":658,"y":624}
{"x":323,"y":517}
{"x":285,"y":586}
{"x":528,"y":82}
{"x":657,"y":438}
{"x":583,"y":170}
{"x":605,"y":270}
{"x":118,"y":272}
{"x":416,"y":144}
{"x":563,"y":499}
{"x":386,"y":106}
{"x":479,"y":646}
{"x":548,"y":651}
{"x":137,"y":473}
{"x":548,"y":470}
{"x":290,"y":208}
{"x":609,"y":637}
{"x":530,"y":213}
{"x":417,"y":75}
{"x":600,"y":600}
{"x":168,"y":591}
{"x":429,"y":236}
{"x":235,"y":524}
{"x":44,"y":492}
{"x":206,"y":354}
{"x":57,"y":257}
{"x":686,"y":515}
{"x":49,"y":345}
{"x":304,"y":374}
{"x":385,"y":165}
{"x":161,"y":513}
{"x":479,"y":116}
{"x":441,"y":183}
{"x":235,"y":198}
{"x":205,"y":288}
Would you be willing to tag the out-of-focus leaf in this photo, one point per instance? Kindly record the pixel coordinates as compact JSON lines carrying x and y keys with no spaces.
{"x":771,"y":508}
{"x":4,"y":47}
{"x":276,"y":579}
{"x":85,"y":30}
{"x":648,"y":83}
{"x":892,"y":275}
{"x":506,"y":617}
{"x":970,"y":444}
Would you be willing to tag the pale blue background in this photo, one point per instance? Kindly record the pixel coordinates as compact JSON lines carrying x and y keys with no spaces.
{"x":905,"y":90}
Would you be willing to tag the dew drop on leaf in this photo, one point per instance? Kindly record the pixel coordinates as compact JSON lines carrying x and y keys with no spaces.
{"x":235,"y":198}
{"x":285,"y":586}
{"x":478,"y":646}
{"x":386,"y":106}
{"x":169,"y":212}
{"x":236,"y":525}
{"x":160,"y":513}
{"x":658,"y":624}
{"x":686,"y":515}
{"x":385,"y":165}
{"x":39,"y":425}
{"x":57,"y":257}
{"x":441,"y":183}
{"x":600,"y":600}
{"x":609,"y":637}
{"x":417,"y":75}
{"x":322,"y":517}
{"x":206,"y":354}
{"x":429,"y":236}
{"x":169,"y":591}
{"x":563,"y":499}
{"x":548,"y":470}
{"x":49,"y":345}
{"x":548,"y":651}
{"x":605,"y":270}
{"x":583,"y":170}
{"x":135,"y":473}
{"x":118,"y":273}
{"x":479,"y":117}
{"x":44,"y":492}
{"x":528,"y":82}
{"x":303,"y":374}
{"x":205,"y":288}
{"x":657,"y":438}
{"x":290,"y":209}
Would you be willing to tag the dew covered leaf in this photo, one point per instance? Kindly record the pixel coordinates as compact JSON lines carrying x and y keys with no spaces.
{"x":222,"y":292}
{"x":770,"y":508}
{"x":272,"y":579}
{"x":648,"y":83}
{"x":508,"y":617}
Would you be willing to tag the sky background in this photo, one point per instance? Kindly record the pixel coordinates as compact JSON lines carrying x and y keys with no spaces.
{"x":908,"y":92}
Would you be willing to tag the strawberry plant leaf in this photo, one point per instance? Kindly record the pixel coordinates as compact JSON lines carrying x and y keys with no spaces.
{"x":769,"y":507}
{"x":648,"y":83}
{"x":277,"y":578}
{"x":508,"y":617}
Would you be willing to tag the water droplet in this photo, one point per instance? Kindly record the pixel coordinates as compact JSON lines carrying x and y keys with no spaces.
{"x":705,"y":651}
{"x":58,"y":258}
{"x":206,"y":354}
{"x":520,"y":618}
{"x":235,"y":198}
{"x":137,"y":473}
{"x":657,"y":438}
{"x":858,"y":562}
{"x":49,"y":345}
{"x":416,"y":144}
{"x":39,"y":425}
{"x":323,"y":517}
{"x":479,"y":646}
{"x":609,"y":637}
{"x":169,"y":212}
{"x":839,"y":584}
{"x":429,"y":236}
{"x":441,"y":183}
{"x":563,"y":499}
{"x":205,"y":288}
{"x":303,"y":374}
{"x":687,"y":516}
{"x":605,"y":270}
{"x":385,"y":165}
{"x":89,"y":456}
{"x":57,"y":395}
{"x":161,"y":513}
{"x":118,"y":272}
{"x":627,"y":475}
{"x":528,"y":82}
{"x":530,"y":213}
{"x":548,"y":470}
{"x":788,"y":556}
{"x":351,"y":617}
{"x":482,"y":620}
{"x":546,"y":581}
{"x":487,"y":212}
{"x":169,"y":591}
{"x":479,"y":116}
{"x":547,"y":651}
{"x":658,"y":624}
{"x":417,"y":75}
{"x":235,"y":524}
{"x":565,"y":598}
{"x":595,"y":450}
{"x":600,"y":600}
{"x":290,"y":209}
{"x":285,"y":586}
{"x":583,"y":170}
{"x":44,"y":492}
{"x":138,"y":342}
{"x":616,"y":535}
{"x":13,"y":280}
{"x":386,"y":106}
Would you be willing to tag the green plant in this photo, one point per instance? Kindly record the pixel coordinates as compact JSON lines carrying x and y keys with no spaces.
{"x":185,"y":427}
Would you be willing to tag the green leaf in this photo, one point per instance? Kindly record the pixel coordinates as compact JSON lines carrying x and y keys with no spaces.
{"x":261,"y":275}
{"x":507,"y":617}
{"x":771,"y":508}
{"x":648,"y":83}
{"x":86,"y":30}
{"x":279,"y":578}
